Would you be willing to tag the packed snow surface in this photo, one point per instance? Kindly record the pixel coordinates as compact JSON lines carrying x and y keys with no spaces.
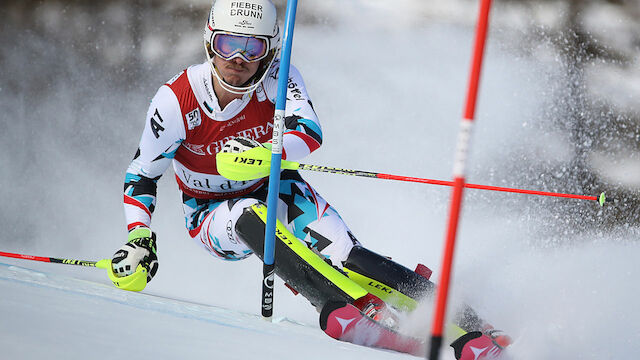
{"x":45,"y":315}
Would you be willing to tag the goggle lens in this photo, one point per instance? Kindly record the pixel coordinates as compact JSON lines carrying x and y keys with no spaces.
{"x":229,"y":46}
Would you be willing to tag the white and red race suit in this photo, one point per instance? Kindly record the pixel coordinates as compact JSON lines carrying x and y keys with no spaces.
{"x":185,"y":126}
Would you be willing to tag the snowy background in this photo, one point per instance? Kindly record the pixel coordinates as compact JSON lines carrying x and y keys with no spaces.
{"x":387,"y":80}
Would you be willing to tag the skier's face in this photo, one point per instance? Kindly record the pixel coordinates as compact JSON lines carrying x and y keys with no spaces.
{"x":236,"y":71}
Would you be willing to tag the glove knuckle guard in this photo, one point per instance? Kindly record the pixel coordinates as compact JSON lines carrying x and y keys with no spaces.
{"x":141,"y":251}
{"x":239,"y":144}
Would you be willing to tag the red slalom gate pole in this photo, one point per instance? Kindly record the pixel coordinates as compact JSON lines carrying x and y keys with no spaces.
{"x":459,"y":180}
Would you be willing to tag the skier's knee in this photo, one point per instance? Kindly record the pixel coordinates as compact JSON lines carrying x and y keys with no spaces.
{"x":248,"y":227}
{"x":237,"y":208}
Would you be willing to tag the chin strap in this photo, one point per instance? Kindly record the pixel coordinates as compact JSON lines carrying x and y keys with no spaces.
{"x":238,"y":90}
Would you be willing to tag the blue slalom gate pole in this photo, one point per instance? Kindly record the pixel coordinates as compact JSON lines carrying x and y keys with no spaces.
{"x":276,"y":157}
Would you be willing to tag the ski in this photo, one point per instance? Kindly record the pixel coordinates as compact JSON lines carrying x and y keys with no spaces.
{"x":344,"y":322}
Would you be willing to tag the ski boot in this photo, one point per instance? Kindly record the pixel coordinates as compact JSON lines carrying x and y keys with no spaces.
{"x":376,"y":309}
{"x":478,"y":345}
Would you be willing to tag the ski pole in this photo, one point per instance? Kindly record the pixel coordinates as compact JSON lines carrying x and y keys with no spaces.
{"x":600,"y":198}
{"x":459,"y":165}
{"x":268,"y":267}
{"x":254,"y":164}
{"x":134,"y":282}
{"x":102,"y":264}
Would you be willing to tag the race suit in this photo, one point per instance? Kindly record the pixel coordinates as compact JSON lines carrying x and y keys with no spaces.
{"x":186,"y":127}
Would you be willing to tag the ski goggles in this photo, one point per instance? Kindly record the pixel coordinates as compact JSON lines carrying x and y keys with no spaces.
{"x":249,"y":48}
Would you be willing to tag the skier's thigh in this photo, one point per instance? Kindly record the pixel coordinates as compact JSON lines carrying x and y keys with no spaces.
{"x":311,"y":219}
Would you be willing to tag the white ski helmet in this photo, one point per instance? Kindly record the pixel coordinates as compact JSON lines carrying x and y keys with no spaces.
{"x":255,"y":18}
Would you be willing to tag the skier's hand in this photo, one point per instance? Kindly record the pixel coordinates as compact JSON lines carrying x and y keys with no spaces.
{"x":139,"y":250}
{"x":240,"y":144}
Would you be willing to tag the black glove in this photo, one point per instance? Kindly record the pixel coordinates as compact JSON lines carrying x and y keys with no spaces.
{"x":140,"y":249}
{"x":240,"y":144}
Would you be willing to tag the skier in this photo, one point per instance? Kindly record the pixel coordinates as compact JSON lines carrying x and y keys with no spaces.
{"x":227,"y":104}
